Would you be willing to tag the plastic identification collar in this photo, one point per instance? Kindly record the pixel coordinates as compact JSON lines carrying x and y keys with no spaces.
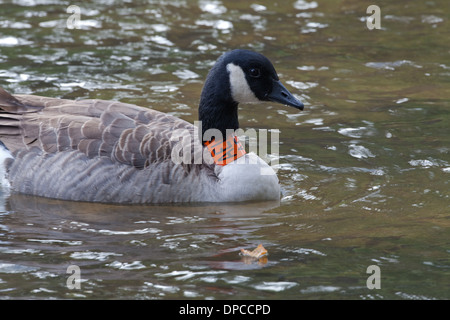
{"x":225,"y":152}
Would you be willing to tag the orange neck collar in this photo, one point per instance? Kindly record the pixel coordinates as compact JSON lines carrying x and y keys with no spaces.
{"x":225,"y":152}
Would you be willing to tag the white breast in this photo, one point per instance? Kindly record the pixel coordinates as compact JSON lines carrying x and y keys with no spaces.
{"x":247,"y":178}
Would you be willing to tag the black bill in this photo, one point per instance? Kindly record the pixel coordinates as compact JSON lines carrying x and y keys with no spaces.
{"x":282,"y":95}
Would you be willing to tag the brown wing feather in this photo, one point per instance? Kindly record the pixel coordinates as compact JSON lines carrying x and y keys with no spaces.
{"x":123,"y":132}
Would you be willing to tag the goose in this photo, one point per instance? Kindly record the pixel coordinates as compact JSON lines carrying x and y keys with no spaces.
{"x":114,"y":152}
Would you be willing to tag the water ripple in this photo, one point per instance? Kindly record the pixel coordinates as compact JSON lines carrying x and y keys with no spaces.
{"x":275,"y":286}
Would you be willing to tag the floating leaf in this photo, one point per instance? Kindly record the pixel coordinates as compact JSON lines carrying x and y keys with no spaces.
{"x":258,"y":253}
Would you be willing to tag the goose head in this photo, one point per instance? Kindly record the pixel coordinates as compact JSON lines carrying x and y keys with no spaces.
{"x":239,"y":77}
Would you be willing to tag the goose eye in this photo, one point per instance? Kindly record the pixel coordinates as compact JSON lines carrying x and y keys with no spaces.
{"x":255,"y":72}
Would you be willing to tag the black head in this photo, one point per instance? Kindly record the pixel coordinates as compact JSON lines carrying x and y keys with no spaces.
{"x":240,"y":76}
{"x":254,"y":79}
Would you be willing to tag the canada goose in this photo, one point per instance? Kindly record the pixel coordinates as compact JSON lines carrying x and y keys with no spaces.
{"x":108,"y":151}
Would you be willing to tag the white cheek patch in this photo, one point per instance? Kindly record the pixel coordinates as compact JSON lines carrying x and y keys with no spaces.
{"x":240,"y":90}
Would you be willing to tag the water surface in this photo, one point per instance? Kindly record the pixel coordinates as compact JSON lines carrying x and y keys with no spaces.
{"x":364,"y":168}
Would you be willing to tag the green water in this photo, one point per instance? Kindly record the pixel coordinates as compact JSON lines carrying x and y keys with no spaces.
{"x":365,"y":168}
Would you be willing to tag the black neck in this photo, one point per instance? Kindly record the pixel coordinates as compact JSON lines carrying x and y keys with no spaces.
{"x":217,"y":109}
{"x":219,"y":116}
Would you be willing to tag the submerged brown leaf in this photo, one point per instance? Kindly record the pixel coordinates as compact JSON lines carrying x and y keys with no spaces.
{"x":257,"y":253}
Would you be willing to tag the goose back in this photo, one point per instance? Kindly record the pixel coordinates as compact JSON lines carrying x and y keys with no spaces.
{"x":97,"y":150}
